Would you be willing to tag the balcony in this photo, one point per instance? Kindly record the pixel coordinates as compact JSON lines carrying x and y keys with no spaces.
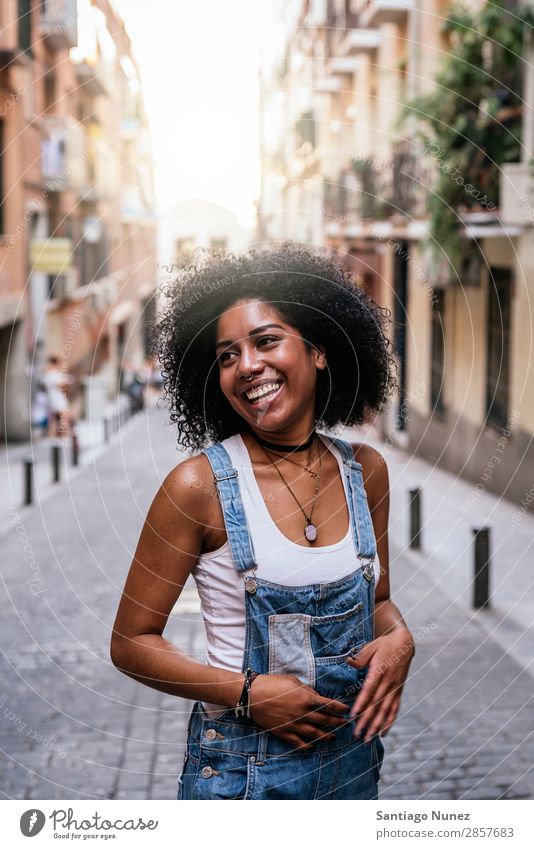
{"x":59,"y":23}
{"x":376,"y":12}
{"x":360,"y":41}
{"x":343,"y":65}
{"x":357,"y":195}
{"x":90,"y":78}
{"x":63,"y":154}
{"x":326,"y":84}
{"x":412,"y":177}
{"x":375,"y":190}
{"x":102,"y":169}
{"x":517,"y":194}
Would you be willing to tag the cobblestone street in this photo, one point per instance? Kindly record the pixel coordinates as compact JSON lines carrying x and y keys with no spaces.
{"x":73,"y":727}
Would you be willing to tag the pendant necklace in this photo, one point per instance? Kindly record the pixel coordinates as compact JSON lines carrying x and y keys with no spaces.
{"x":305,"y":466}
{"x":310,"y":530}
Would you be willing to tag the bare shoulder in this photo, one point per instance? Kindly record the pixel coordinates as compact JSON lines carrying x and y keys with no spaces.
{"x":191,"y":482}
{"x":374,"y":470}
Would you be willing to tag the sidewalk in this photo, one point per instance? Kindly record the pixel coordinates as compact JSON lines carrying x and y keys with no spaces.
{"x":71,"y":726}
{"x":91,"y":443}
{"x":451,"y":508}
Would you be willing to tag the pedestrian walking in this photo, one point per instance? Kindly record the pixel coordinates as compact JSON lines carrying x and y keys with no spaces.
{"x":40,"y":409}
{"x":56,"y":382}
{"x":282,"y":526}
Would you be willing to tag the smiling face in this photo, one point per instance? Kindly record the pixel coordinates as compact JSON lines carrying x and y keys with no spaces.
{"x":254,"y":340}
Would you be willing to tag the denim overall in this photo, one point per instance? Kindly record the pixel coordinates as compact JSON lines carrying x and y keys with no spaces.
{"x":309,"y":632}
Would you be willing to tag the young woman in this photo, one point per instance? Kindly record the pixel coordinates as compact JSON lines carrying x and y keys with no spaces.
{"x":283,"y":529}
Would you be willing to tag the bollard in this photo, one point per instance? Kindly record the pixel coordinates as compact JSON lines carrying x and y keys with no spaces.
{"x":106,"y":430}
{"x":482,"y":567}
{"x":56,"y":461}
{"x":75,"y":448}
{"x":28,"y":480}
{"x":415,"y":517}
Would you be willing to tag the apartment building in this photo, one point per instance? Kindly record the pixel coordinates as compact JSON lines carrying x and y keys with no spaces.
{"x":341,"y":172}
{"x":78,"y":254}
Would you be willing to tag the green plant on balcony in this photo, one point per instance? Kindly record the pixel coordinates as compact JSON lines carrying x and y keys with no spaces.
{"x":471,"y":123}
{"x":373,"y":204}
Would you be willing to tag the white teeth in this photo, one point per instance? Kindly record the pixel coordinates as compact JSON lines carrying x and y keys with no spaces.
{"x":261,"y":391}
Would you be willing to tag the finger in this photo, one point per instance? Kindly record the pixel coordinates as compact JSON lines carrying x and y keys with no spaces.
{"x":361,"y":657}
{"x":376,"y":723}
{"x":373,"y":708}
{"x":364,"y":697}
{"x":374,"y":682}
{"x":329,"y":705}
{"x":370,"y":722}
{"x":321,"y":719}
{"x":312,"y":734}
{"x":391,"y":717}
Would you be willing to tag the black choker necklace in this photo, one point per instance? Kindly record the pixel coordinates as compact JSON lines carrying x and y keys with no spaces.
{"x":287,"y":448}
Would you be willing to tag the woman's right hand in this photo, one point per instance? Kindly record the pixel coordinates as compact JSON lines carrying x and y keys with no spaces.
{"x":293,"y":711}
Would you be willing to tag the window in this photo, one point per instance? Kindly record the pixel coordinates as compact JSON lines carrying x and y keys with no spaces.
{"x":437,"y":353}
{"x":498,"y":345}
{"x":24,"y":18}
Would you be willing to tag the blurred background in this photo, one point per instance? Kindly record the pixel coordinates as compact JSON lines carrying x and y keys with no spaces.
{"x":397,"y":135}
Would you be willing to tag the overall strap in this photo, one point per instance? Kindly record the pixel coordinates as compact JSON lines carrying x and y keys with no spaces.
{"x":360,"y":516}
{"x":235,"y":521}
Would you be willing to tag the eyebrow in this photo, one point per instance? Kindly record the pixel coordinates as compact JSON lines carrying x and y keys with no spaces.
{"x":254,"y":332}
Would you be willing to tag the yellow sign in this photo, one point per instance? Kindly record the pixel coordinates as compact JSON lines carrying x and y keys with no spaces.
{"x":53,"y":256}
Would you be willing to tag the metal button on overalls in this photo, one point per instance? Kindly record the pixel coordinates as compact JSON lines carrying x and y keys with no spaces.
{"x":207,"y":772}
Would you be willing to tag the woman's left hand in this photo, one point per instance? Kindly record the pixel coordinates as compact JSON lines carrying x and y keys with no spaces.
{"x":388,"y":659}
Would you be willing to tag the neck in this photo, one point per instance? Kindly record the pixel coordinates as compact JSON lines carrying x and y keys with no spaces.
{"x":285,"y":447}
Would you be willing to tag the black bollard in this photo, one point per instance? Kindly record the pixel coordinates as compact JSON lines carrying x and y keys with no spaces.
{"x":482,"y":567}
{"x":56,"y":462}
{"x":415,"y":517}
{"x":106,"y":430}
{"x":28,"y":480}
{"x":75,"y":448}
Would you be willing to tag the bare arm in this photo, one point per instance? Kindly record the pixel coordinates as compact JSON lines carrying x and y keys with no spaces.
{"x":389,"y":655}
{"x":168,"y":548}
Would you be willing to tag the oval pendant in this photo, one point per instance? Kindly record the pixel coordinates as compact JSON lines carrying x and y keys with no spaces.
{"x":310,"y":532}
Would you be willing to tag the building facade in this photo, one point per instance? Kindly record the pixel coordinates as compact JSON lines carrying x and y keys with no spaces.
{"x":78,"y":255}
{"x":341,"y":172}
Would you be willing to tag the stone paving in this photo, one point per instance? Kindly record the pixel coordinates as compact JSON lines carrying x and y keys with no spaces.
{"x":72,"y":727}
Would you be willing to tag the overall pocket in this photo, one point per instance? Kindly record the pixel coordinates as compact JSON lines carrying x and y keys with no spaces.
{"x":290,"y":648}
{"x":332,"y":636}
{"x":298,"y":642}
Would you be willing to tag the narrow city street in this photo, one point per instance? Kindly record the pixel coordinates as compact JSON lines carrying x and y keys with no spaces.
{"x":73,"y":727}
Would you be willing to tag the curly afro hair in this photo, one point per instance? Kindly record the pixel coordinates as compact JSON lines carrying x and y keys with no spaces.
{"x":312,"y":293}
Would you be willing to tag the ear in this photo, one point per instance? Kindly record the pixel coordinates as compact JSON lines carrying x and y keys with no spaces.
{"x":320,"y":357}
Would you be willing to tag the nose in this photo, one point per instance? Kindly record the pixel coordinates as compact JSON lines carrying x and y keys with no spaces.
{"x":249,"y":360}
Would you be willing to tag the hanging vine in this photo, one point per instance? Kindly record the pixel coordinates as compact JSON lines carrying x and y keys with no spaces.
{"x":471,"y":123}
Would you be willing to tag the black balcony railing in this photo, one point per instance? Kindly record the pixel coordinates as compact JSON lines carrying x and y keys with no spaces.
{"x":374,"y":189}
{"x":412,"y":178}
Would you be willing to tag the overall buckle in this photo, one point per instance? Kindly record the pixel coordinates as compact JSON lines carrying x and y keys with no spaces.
{"x":368,"y":570}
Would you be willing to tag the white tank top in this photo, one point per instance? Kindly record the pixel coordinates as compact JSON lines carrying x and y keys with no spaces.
{"x":279,"y":560}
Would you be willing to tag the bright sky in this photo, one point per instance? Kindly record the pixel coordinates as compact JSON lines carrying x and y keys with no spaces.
{"x":199,"y":69}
